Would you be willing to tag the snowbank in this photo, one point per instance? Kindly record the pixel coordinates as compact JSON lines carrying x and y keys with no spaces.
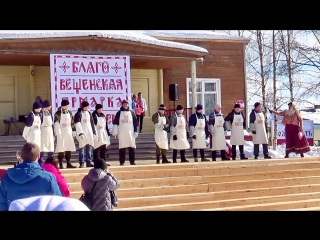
{"x":279,"y":153}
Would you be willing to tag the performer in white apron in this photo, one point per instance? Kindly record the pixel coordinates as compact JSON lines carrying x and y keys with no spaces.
{"x":125,"y":126}
{"x":86,"y":134}
{"x":179,"y":135}
{"x":103,"y":135}
{"x":199,"y":133}
{"x":238,"y":124}
{"x":65,"y":131}
{"x":258,"y":129}
{"x":31,"y":131}
{"x":218,"y":131}
{"x":161,"y":129}
{"x":47,"y":137}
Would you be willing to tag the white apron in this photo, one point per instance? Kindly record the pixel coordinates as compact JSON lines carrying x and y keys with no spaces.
{"x":261,"y":135}
{"x":160,"y":136}
{"x":85,"y":127}
{"x":34,"y":135}
{"x":126,"y":130}
{"x":237,"y":135}
{"x":67,"y":142}
{"x":47,"y":141}
{"x":182,"y":142}
{"x":200,"y":141}
{"x":103,"y":138}
{"x":218,"y":139}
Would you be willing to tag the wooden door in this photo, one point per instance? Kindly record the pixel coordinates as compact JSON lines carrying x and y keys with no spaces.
{"x":7,"y":100}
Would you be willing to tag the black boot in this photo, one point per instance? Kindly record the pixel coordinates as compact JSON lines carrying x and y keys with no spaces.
{"x":183,"y":156}
{"x":234,"y":152}
{"x":214,"y":155}
{"x":286,"y":156}
{"x":301,"y":155}
{"x":69,"y":165}
{"x":158,"y":158}
{"x":164,"y":159}
{"x":243,"y":157}
{"x":265,"y":151}
{"x":223,"y":155}
{"x":174,"y":155}
{"x":266,"y":156}
{"x":60,"y":164}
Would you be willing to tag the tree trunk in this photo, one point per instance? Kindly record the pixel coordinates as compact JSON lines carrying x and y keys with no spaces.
{"x":275,"y":121}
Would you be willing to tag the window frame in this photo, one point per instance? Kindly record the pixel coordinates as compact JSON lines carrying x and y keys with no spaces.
{"x":217,"y":81}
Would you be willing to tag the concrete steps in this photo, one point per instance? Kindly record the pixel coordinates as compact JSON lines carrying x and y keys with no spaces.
{"x":145,"y":149}
{"x":272,"y":184}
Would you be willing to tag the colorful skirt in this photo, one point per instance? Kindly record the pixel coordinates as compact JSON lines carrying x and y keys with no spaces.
{"x":293,"y":142}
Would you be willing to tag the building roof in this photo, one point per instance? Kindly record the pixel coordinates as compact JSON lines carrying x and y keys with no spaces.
{"x":127,"y":35}
{"x":194,"y":34}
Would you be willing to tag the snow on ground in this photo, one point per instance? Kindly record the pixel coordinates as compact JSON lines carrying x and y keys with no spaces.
{"x":280,"y":152}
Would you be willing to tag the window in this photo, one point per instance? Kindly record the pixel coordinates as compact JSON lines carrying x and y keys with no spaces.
{"x":208,"y":93}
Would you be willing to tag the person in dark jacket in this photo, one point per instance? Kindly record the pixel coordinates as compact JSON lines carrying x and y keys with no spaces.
{"x":259,"y":129}
{"x":238,"y":123}
{"x":103,"y":139}
{"x":125,"y":126}
{"x":218,"y":129}
{"x":199,"y":133}
{"x":86,"y":133}
{"x":161,"y":129}
{"x":101,"y":182}
{"x":27,"y":179}
{"x":179,"y":135}
{"x":32,"y":131}
{"x":65,"y":131}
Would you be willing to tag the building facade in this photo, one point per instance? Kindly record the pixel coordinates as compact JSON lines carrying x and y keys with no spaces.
{"x":158,"y":59}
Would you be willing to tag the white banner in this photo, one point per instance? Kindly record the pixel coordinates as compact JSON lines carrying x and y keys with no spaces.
{"x":308,"y":128}
{"x":96,"y":79}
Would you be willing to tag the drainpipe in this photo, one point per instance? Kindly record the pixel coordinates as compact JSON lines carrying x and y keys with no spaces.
{"x":193,"y":86}
{"x":31,"y":81}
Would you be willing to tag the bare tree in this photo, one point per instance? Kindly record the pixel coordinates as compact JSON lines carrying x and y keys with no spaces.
{"x":275,"y":133}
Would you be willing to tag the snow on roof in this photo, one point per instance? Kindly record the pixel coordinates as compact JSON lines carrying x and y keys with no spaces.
{"x":315,"y":116}
{"x":193,"y":34}
{"x":132,"y":35}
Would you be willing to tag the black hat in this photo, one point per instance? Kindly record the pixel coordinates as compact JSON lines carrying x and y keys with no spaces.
{"x":290,"y":103}
{"x":256,"y":104}
{"x":179,"y":107}
{"x":36,"y":105}
{"x":46,"y":103}
{"x":237,"y":105}
{"x":84,"y":104}
{"x":98,"y":106}
{"x":199,"y":107}
{"x":162,"y":107}
{"x":100,"y":163}
{"x":124,"y":101}
{"x":65,"y":102}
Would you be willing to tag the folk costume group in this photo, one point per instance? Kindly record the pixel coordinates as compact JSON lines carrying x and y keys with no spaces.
{"x":91,"y":131}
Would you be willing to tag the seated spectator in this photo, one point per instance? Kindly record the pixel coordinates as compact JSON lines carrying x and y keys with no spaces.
{"x":52,"y":165}
{"x":102,"y":182}
{"x":48,"y":203}
{"x":27,"y":179}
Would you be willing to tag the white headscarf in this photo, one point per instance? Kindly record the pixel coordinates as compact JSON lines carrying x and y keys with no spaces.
{"x":47,"y":203}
